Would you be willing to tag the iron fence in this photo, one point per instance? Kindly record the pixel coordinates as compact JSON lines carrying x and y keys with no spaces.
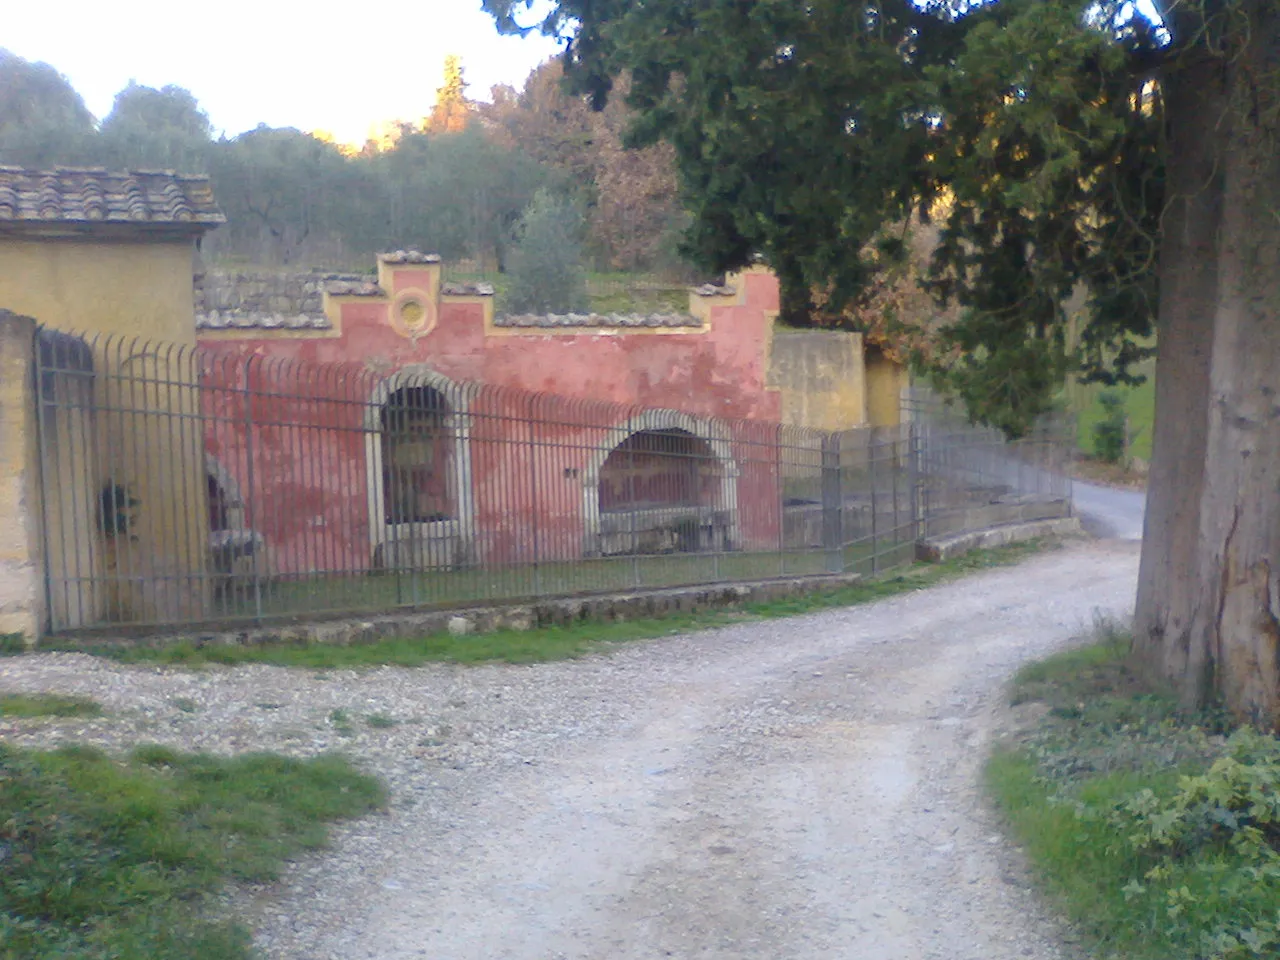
{"x":973,"y":477}
{"x":209,"y":484}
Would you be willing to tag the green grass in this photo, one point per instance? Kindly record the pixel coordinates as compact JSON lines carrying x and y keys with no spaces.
{"x":384,"y":591}
{"x":1113,"y":761}
{"x":563,"y":642}
{"x":109,"y":857}
{"x":47,"y":705}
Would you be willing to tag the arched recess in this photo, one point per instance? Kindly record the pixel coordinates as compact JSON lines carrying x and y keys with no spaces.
{"x":236,"y":551}
{"x":656,"y":526}
{"x":420,"y":513}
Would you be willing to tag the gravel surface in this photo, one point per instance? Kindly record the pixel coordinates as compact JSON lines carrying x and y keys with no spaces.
{"x":802,"y":788}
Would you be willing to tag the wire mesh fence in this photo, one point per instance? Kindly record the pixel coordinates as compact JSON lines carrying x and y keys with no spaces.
{"x":189,"y":485}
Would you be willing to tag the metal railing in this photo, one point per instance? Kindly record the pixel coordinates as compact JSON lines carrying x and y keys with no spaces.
{"x":973,"y":477}
{"x":188,"y":485}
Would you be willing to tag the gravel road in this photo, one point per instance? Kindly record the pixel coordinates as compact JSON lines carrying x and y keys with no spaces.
{"x":803,"y":788}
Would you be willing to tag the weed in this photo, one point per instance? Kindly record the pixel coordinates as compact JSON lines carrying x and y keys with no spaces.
{"x":113,"y":857}
{"x":340,"y":720}
{"x":1158,"y":837}
{"x":380,"y":721}
{"x":12,"y":643}
{"x":47,"y":705}
{"x":185,"y":704}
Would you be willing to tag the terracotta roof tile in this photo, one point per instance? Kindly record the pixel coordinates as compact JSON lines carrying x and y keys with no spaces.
{"x":611,"y":321}
{"x":150,"y":200}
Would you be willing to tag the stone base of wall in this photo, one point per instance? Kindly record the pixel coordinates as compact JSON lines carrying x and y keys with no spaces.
{"x":562,"y":611}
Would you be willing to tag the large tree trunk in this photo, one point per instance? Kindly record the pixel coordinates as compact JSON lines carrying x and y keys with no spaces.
{"x":1238,"y":556}
{"x":1195,"y":100}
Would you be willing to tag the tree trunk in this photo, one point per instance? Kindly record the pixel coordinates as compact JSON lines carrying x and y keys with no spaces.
{"x":1238,"y":555}
{"x":1195,"y":102}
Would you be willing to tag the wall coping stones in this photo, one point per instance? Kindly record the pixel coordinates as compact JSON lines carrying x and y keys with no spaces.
{"x":714,"y":290}
{"x":408,"y":256}
{"x":599,"y":320}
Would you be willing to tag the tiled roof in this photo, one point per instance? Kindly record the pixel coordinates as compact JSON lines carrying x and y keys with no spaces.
{"x":89,"y":198}
{"x":610,"y":321}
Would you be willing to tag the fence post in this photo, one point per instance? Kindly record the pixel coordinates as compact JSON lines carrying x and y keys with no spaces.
{"x":249,"y":495}
{"x":22,"y":594}
{"x":916,"y":480}
{"x":832,"y":534}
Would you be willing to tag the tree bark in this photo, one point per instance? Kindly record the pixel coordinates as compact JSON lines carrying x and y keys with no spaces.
{"x":1195,"y":104}
{"x":1238,"y":555}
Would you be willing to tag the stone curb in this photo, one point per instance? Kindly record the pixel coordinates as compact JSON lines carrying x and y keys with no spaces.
{"x":945,"y":548}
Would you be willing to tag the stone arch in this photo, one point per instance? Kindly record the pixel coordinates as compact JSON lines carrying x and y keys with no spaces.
{"x":716,"y":516}
{"x":416,"y":536}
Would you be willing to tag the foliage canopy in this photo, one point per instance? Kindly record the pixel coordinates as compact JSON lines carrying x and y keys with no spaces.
{"x":1028,"y":130}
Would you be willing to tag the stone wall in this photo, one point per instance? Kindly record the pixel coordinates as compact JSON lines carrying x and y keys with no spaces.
{"x":263,"y":298}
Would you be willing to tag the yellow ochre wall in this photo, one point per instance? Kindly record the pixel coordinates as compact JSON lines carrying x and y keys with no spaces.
{"x":133,"y":290}
{"x":820,"y":376}
{"x":886,"y":379}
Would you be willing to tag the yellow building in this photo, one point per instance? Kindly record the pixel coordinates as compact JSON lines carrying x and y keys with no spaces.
{"x":110,"y":257}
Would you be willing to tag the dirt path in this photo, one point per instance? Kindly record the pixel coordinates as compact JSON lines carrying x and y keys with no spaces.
{"x":806,"y":788}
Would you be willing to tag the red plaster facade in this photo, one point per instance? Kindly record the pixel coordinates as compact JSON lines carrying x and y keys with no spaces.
{"x":297,"y":431}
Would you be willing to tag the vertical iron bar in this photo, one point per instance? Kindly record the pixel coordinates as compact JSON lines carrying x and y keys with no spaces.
{"x":249,"y":480}
{"x":871,"y":469}
{"x":534,"y":505}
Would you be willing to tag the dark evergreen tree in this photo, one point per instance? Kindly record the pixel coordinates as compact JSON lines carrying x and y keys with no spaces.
{"x":1056,"y":143}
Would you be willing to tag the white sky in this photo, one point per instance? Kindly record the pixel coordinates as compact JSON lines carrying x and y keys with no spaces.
{"x":316,"y":65}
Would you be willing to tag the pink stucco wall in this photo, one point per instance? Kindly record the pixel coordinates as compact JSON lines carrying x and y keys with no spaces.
{"x":302,"y":405}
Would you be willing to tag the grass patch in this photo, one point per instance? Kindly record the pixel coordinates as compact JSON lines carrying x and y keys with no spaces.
{"x":1153,"y":830}
{"x":559,"y":643}
{"x":381,"y":721}
{"x":47,"y":705}
{"x":109,"y":857}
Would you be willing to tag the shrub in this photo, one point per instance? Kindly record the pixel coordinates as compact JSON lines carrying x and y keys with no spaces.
{"x":545,"y":273}
{"x":1109,"y":433}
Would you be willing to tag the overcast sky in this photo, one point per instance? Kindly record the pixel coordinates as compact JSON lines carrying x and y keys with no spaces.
{"x":315,"y":65}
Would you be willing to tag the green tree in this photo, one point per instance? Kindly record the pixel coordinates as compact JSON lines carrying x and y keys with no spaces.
{"x":43,"y":121}
{"x":452,"y":109}
{"x":156,"y":128}
{"x":1057,"y":143}
{"x":288,"y":197}
{"x":460,"y":194}
{"x":546,"y":274}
